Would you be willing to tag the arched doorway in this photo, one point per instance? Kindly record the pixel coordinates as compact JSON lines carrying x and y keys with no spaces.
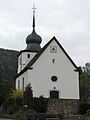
{"x":54,"y":94}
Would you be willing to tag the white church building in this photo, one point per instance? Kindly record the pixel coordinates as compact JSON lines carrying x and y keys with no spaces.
{"x":50,"y":70}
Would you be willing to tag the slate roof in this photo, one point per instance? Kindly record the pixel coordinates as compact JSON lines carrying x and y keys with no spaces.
{"x":29,"y":65}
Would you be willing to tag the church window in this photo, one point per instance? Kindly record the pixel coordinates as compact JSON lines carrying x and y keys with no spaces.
{"x":18,"y":84}
{"x":54,"y":78}
{"x":53,"y":60}
{"x":23,"y":83}
{"x":28,"y":55}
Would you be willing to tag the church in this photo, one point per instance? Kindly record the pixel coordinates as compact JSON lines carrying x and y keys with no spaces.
{"x":50,"y":70}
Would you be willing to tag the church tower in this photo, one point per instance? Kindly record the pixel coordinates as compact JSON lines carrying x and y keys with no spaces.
{"x":33,"y":42}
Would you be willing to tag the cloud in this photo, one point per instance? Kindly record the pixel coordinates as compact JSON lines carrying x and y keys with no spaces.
{"x":68,"y":20}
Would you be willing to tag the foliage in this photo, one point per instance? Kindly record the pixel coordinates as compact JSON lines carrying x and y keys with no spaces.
{"x":83,"y":108}
{"x":85,"y":87}
{"x":24,"y":115}
{"x":17,"y":94}
{"x":8,"y":65}
{"x":40,"y":104}
{"x":8,"y":105}
{"x":87,"y":68}
{"x":5,"y":89}
{"x":11,"y":105}
{"x":28,"y":95}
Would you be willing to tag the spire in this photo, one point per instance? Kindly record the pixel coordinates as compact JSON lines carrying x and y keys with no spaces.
{"x":33,"y":40}
{"x":33,"y":25}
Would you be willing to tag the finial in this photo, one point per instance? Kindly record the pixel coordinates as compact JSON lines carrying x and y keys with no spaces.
{"x":33,"y":15}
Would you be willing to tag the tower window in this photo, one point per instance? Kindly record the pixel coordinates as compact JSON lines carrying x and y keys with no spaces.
{"x":28,"y":55}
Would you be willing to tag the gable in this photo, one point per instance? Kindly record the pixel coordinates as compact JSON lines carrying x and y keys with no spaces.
{"x":53,"y":47}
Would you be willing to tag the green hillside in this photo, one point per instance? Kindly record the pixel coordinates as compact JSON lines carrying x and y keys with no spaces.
{"x":8,"y":65}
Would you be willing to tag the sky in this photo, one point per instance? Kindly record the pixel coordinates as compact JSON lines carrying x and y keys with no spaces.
{"x":67,"y":20}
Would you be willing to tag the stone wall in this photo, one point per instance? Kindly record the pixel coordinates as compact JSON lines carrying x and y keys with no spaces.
{"x":69,"y":117}
{"x":63,"y":106}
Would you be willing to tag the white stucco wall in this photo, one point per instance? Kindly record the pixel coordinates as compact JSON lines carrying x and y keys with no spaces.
{"x":20,"y":78}
{"x":43,"y":69}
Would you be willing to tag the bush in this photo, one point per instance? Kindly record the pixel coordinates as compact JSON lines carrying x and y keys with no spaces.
{"x":40,"y":104}
{"x":28,"y":95}
{"x":84,"y":107}
{"x":25,"y":115}
{"x":17,"y":94}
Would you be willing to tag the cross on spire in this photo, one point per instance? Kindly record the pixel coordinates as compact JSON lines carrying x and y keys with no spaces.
{"x":34,"y":8}
{"x":33,"y":25}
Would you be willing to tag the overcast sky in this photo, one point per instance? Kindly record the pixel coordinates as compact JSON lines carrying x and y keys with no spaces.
{"x":67,"y":20}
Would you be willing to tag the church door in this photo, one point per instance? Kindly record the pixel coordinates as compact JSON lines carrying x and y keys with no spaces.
{"x":54,"y":94}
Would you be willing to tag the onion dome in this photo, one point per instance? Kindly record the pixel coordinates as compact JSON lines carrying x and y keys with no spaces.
{"x":33,"y":40}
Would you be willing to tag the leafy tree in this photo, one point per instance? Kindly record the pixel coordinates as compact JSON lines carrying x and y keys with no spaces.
{"x":8,"y":65}
{"x":85,"y":86}
{"x":87,"y":68}
{"x":85,"y":89}
{"x":5,"y":89}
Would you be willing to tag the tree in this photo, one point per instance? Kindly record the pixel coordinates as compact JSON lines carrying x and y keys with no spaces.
{"x":85,"y":86}
{"x":5,"y":89}
{"x":85,"y":89}
{"x":87,"y":68}
{"x":28,"y":95}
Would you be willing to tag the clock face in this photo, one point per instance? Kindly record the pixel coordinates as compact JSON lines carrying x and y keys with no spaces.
{"x":53,"y":49}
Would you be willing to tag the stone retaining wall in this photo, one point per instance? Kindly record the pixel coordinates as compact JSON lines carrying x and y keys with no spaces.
{"x":63,"y":106}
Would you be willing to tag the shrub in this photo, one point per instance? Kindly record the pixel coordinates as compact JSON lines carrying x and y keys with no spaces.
{"x":17,"y":94}
{"x":83,"y":108}
{"x":40,"y":104}
{"x":28,"y":95}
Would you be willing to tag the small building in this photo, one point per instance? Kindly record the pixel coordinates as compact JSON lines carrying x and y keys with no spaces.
{"x":50,"y":70}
